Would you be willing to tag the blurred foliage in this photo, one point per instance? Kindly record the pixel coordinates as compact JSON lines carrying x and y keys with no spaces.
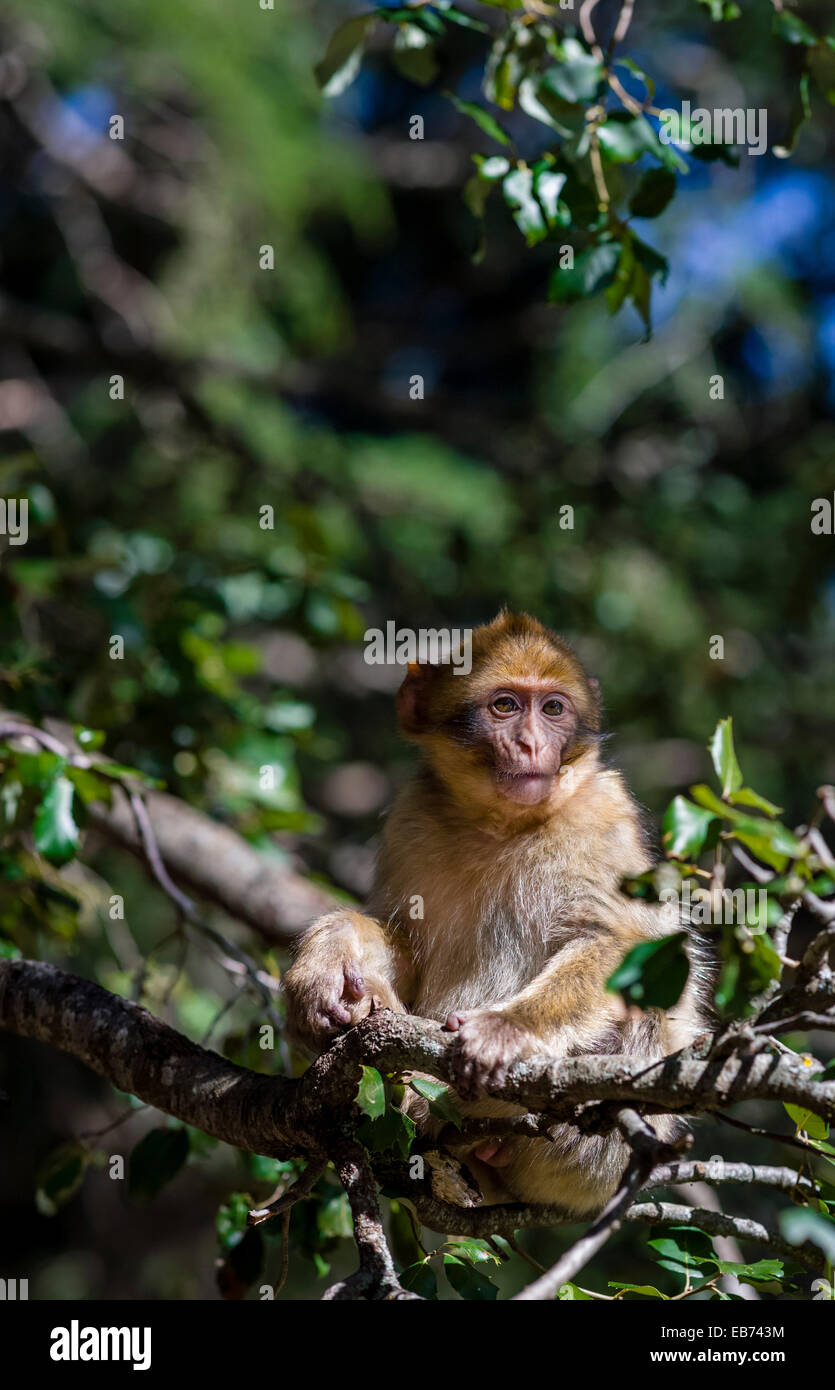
{"x":264,"y":486}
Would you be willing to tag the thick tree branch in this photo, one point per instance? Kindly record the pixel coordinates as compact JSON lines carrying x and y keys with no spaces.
{"x":218,"y":865}
{"x":719,"y":1171}
{"x":312,"y":1116}
{"x":716,"y":1223}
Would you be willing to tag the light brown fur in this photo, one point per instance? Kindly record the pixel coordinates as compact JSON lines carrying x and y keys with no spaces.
{"x":503,"y":916}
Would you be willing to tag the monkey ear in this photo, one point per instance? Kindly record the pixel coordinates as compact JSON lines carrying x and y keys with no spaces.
{"x":412,"y":698}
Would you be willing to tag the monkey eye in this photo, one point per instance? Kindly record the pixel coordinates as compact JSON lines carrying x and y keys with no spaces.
{"x":553,"y":707}
{"x":504,"y":704}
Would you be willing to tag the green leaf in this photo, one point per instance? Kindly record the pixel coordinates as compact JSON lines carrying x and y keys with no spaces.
{"x":767,"y":836}
{"x":593,"y":270}
{"x":679,"y":1248}
{"x":54,"y":830}
{"x":91,"y":739}
{"x":746,"y":797}
{"x":807,"y":1120}
{"x":801,"y":1224}
{"x":457,"y":17}
{"x":721,"y":749}
{"x":343,"y":56}
{"x":333,"y":1216}
{"x":475,"y":1250}
{"x":413,"y":55}
{"x":646,"y":1289}
{"x":685,"y":828}
{"x":230,"y":1220}
{"x":527,"y":213}
{"x":420,"y":1278}
{"x":505,"y":65}
{"x":157,"y":1158}
{"x":654,"y":973}
{"x":371,"y":1093}
{"x":800,"y":113}
{"x":59,"y":1177}
{"x":393,"y":1130}
{"x":468,"y":1282}
{"x":654,"y":192}
{"x":482,"y":118}
{"x":721,"y":10}
{"x":761,"y":1269}
{"x":38,"y":769}
{"x":90,"y":786}
{"x":577,"y":77}
{"x":622,"y":141}
{"x":793,"y":29}
{"x":624,"y":138}
{"x":440,"y":1097}
{"x":538,"y":100}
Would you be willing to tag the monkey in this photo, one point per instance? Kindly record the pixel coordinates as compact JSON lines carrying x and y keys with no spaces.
{"x":497,"y":907}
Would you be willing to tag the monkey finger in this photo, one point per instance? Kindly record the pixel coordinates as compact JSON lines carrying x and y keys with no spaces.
{"x":336,"y":1013}
{"x":354,"y":983}
{"x":454,"y":1022}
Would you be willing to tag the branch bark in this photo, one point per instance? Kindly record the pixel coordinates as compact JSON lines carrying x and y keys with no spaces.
{"x":218,"y":865}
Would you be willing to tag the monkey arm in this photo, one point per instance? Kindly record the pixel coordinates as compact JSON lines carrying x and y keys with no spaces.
{"x":565,"y":1008}
{"x":345,"y":962}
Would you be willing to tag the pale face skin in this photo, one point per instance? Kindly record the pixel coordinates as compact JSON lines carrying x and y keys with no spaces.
{"x":528,"y":725}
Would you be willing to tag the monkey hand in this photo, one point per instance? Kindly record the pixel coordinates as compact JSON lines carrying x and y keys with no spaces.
{"x":487,"y":1042}
{"x":330,"y":993}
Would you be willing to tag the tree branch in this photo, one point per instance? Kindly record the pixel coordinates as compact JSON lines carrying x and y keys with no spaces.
{"x":716,"y":1223}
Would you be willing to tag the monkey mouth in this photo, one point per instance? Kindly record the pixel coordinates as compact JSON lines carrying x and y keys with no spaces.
{"x":526,"y":786}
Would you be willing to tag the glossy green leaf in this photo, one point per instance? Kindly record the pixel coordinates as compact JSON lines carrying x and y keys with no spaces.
{"x":593,"y":270}
{"x":654,"y":973}
{"x":468,"y":1282}
{"x":343,"y":55}
{"x":807,"y":1120}
{"x":482,"y":118}
{"x":653,"y":194}
{"x":440,"y":1097}
{"x":420,"y":1278}
{"x":793,"y":29}
{"x":475,"y":1250}
{"x":54,"y":830}
{"x":685,"y":828}
{"x":59,"y":1177}
{"x":746,"y":797}
{"x":722,"y":752}
{"x":577,"y":77}
{"x":371,"y":1093}
{"x":413,"y":55}
{"x":156,"y":1159}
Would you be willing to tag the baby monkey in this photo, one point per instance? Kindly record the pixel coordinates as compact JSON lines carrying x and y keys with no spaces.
{"x":497,"y":907}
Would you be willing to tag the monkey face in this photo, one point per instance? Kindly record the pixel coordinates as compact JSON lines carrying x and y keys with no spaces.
{"x":525,"y":729}
{"x":499,"y":736}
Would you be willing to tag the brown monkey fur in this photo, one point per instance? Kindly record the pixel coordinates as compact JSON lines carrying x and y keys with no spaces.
{"x":497,"y":905}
